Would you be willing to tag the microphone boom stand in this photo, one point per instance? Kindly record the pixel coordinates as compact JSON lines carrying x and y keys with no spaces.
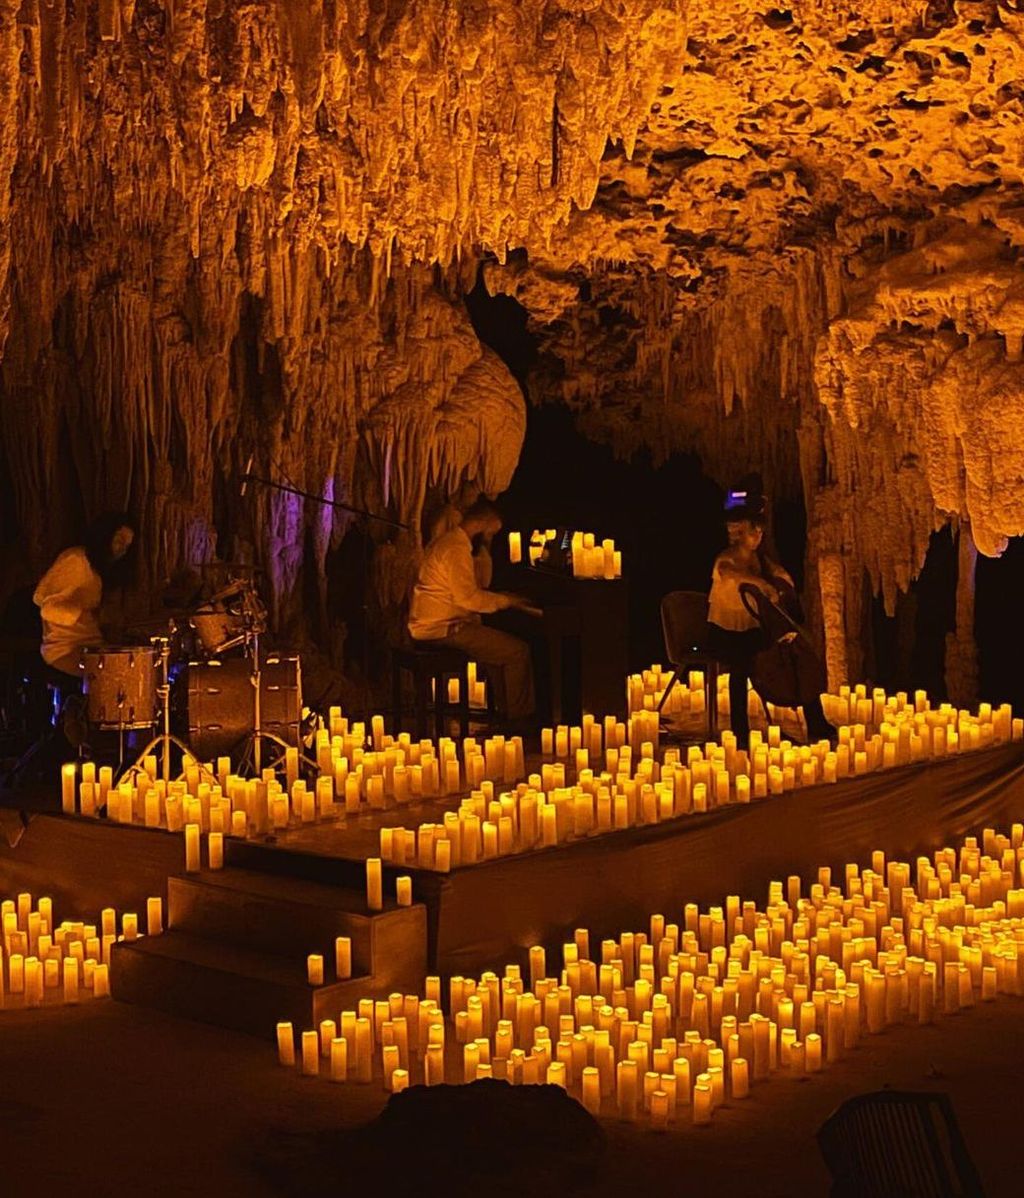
{"x":288,"y":489}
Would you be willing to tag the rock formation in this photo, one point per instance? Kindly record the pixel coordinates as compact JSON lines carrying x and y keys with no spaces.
{"x":787,"y":238}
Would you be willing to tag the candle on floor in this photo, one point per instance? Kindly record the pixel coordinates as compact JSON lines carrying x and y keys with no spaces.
{"x":343,"y":957}
{"x":101,"y":981}
{"x":67,"y":788}
{"x":310,"y":1054}
{"x":192,"y":848}
{"x":285,"y":1044}
{"x":70,"y":970}
{"x":374,"y":884}
{"x":339,"y":1059}
{"x":740,"y":1078}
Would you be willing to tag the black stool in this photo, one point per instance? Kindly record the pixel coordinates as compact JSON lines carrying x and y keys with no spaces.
{"x":430,"y":667}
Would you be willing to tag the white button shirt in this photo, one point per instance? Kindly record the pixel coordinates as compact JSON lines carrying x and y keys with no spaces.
{"x":448,"y":593}
{"x":68,"y":597}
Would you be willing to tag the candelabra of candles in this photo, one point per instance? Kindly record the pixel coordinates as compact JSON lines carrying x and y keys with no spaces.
{"x":43,"y":963}
{"x":669,"y":1024}
{"x":589,"y":557}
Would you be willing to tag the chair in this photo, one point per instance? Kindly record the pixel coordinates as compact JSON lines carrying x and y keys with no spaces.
{"x":431,"y":667}
{"x":897,"y":1144}
{"x":684,"y":622}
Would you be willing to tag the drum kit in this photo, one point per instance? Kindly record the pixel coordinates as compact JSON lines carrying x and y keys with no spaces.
{"x":239,"y":699}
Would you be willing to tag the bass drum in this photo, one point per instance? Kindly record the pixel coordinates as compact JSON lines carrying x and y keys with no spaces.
{"x":120,"y":686}
{"x":220,"y":703}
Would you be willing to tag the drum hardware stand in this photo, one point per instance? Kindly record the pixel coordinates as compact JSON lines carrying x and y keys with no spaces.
{"x":252,"y":744}
{"x":163,"y":739}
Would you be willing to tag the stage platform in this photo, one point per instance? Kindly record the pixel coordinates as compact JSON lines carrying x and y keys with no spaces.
{"x":484,"y":915}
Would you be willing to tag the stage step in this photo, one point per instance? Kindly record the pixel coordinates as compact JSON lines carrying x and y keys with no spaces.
{"x":236,"y":946}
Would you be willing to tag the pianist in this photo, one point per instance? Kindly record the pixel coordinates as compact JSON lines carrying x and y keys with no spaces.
{"x":448,"y":602}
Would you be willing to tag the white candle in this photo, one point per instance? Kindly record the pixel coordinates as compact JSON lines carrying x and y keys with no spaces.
{"x":310,"y":1054}
{"x":339,"y":1059}
{"x":374,"y":884}
{"x":67,"y":788}
{"x":315,"y":969}
{"x":343,"y":957}
{"x":515,"y":547}
{"x":216,"y":850}
{"x":403,"y":891}
{"x":192,"y":848}
{"x":285,"y":1044}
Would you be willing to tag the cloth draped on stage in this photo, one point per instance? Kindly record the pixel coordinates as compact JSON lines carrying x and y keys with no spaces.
{"x":613,"y":883}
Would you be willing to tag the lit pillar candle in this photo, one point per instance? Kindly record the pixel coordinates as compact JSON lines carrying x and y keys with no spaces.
{"x":130,"y":926}
{"x":310,"y":1054}
{"x":215,"y":846}
{"x":70,"y":970}
{"x":515,"y":547}
{"x":442,"y":855}
{"x":812,"y":1053}
{"x":343,"y":957}
{"x":627,"y":1089}
{"x":315,"y":969}
{"x":374,"y":884}
{"x":433,"y":1065}
{"x":364,"y":1050}
{"x":702,"y":1099}
{"x":339,"y":1059}
{"x":192,"y":848}
{"x":285,"y":1044}
{"x":67,"y":788}
{"x":101,"y":981}
{"x":740,"y":1078}
{"x":403,"y":891}
{"x":390,"y":1063}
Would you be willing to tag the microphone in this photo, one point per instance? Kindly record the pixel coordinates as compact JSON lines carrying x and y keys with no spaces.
{"x":245,"y":477}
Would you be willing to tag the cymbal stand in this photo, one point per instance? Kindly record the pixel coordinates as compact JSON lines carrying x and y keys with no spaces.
{"x":164,"y":739}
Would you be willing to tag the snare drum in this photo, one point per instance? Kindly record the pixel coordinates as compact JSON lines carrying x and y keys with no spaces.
{"x":121,"y":686}
{"x":222,"y":622}
{"x":218,"y":631}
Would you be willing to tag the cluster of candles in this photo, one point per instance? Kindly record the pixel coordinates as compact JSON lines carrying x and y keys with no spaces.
{"x":355,"y":773}
{"x":477,"y":688}
{"x":918,"y":730}
{"x":671,"y":1023}
{"x":43,"y":963}
{"x":606,"y":776}
{"x":590,"y":558}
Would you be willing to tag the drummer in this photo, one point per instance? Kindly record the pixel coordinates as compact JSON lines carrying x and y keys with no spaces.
{"x":70,"y":593}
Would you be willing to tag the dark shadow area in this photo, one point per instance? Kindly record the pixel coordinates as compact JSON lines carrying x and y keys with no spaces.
{"x":999,"y":604}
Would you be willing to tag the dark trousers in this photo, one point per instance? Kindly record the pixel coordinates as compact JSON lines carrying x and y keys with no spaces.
{"x":736,"y":651}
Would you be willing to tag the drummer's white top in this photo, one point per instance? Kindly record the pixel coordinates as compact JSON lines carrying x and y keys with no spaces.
{"x":68,"y":597}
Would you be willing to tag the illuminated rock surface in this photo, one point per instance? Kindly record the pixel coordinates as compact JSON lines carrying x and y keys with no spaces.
{"x":787,"y":238}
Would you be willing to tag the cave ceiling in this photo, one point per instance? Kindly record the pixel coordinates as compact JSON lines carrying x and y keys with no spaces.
{"x":782,"y":237}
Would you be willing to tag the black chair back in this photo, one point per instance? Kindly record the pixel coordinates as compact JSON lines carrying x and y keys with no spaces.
{"x":897,"y":1144}
{"x":684,"y":622}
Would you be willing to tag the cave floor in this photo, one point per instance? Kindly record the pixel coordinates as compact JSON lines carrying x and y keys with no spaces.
{"x":106,"y":1099}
